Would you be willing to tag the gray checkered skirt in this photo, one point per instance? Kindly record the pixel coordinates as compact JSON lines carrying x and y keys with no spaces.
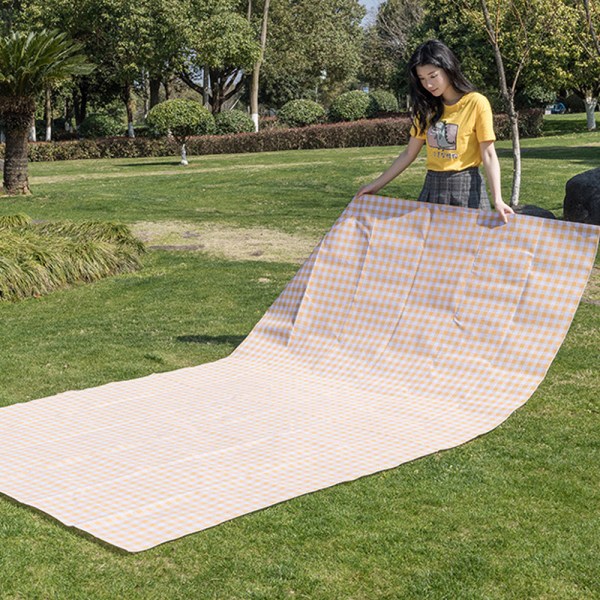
{"x":457,"y":188}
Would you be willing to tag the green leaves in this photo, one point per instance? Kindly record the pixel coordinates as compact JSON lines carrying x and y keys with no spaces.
{"x":182,"y":118}
{"x":299,"y":113}
{"x":311,"y":44}
{"x":31,"y":61}
{"x":36,"y":259}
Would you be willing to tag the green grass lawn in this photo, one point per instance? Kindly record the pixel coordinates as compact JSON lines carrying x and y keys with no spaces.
{"x":511,"y":515}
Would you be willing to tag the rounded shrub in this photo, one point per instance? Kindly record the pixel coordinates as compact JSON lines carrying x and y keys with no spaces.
{"x":99,"y":125}
{"x":350,"y":106}
{"x":233,"y":121}
{"x":299,"y":113}
{"x":382,"y":102}
{"x":182,"y":118}
{"x":574,"y":104}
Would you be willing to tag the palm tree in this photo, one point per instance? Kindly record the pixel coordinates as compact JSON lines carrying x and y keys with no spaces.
{"x":29,"y":62}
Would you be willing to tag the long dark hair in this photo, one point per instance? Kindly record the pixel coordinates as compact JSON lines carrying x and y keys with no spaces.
{"x":426,"y":108}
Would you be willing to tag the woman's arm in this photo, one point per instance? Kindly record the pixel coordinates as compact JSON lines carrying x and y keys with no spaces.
{"x":404,"y":159}
{"x":492,"y":171}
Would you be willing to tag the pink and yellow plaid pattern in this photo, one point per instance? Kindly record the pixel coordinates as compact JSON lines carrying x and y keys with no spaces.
{"x":411,"y":328}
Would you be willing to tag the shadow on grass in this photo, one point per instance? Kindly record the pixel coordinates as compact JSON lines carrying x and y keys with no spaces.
{"x":162,"y":163}
{"x":67,"y":528}
{"x":575,"y":154}
{"x":232,"y":340}
{"x":564,"y":127}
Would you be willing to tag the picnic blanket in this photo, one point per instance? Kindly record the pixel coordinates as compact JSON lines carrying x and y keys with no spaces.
{"x":410,"y":329}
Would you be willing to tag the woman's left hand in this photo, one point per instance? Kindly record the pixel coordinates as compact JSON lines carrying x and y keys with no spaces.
{"x":504,"y":210}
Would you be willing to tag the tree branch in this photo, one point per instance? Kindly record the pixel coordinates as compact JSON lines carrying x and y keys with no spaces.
{"x":588,"y":16}
{"x":186,"y":78}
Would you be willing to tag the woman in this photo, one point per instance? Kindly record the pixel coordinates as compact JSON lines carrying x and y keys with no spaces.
{"x":456,"y":123}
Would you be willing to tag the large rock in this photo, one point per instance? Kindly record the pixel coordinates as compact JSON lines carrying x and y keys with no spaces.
{"x":582,"y":198}
{"x":535,"y":211}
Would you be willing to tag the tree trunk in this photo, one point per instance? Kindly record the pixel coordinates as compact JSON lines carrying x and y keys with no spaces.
{"x":590,"y":24}
{"x":130,"y":106}
{"x":80,"y":102}
{"x":15,"y":154}
{"x":205,"y":86}
{"x":590,"y":107}
{"x":48,"y":114}
{"x":154,"y":91}
{"x":513,"y":117}
{"x":68,"y":114}
{"x":256,"y":70}
{"x":167,"y":86}
{"x":509,"y":101}
{"x":184,"y":160}
{"x":216,"y":89}
{"x":32,"y":133}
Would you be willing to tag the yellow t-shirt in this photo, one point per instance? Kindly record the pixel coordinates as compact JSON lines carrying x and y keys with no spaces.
{"x":453,"y":142}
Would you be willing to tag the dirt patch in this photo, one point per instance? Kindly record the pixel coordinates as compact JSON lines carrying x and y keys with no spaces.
{"x":233,"y":243}
{"x":256,"y":243}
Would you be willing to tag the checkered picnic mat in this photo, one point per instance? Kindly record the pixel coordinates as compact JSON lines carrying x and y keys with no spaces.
{"x":411,"y":328}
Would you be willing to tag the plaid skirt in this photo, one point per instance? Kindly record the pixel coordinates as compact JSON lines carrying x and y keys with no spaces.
{"x":458,"y":188}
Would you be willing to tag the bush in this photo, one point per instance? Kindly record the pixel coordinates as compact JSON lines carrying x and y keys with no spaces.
{"x":372,"y":132}
{"x":300,"y":113}
{"x":100,"y":125}
{"x":534,"y":95}
{"x":182,"y":118}
{"x":350,"y":106}
{"x":574,"y":104}
{"x":269,"y":122}
{"x":233,"y":121}
{"x":382,"y":102}
{"x":530,"y":124}
{"x":36,"y":259}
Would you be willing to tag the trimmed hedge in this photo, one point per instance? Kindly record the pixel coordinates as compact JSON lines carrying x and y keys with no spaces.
{"x":233,"y":121}
{"x":372,"y":132}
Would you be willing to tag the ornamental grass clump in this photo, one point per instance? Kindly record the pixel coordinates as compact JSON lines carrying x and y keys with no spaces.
{"x":38,"y":258}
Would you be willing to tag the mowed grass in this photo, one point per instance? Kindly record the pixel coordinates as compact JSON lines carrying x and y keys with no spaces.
{"x":513,"y":514}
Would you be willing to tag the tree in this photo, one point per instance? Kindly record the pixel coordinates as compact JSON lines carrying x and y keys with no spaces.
{"x":169,"y":27}
{"x":389,"y":43}
{"x":222,"y":48}
{"x":584,"y":67}
{"x":182,"y":119}
{"x":521,"y":32}
{"x":311,"y":45}
{"x":131,"y":42}
{"x":29,"y":63}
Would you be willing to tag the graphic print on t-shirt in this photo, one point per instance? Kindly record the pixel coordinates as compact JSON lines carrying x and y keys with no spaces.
{"x":442,"y":135}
